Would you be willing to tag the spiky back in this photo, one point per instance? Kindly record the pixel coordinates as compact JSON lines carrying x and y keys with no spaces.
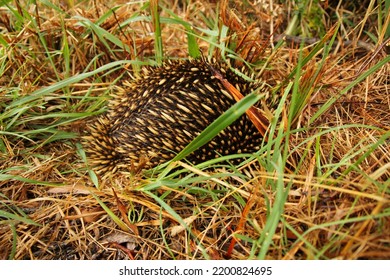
{"x":158,"y":114}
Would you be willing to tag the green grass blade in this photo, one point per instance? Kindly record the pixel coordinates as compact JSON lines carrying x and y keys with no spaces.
{"x":104,"y":35}
{"x":158,"y":46}
{"x":7,"y":177}
{"x":219,"y":124}
{"x":273,"y":219}
{"x":18,"y":218}
{"x":193,"y":47}
{"x":363,"y":76}
{"x":63,"y":83}
{"x":114,"y":217}
{"x":14,"y":242}
{"x":172,"y":212}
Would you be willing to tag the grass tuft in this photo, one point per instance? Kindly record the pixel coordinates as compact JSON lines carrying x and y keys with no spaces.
{"x":318,"y":188}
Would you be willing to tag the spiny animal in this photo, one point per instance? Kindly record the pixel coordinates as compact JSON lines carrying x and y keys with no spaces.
{"x":156,"y":115}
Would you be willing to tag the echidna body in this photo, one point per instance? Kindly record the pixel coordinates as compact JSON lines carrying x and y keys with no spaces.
{"x":156,"y":115}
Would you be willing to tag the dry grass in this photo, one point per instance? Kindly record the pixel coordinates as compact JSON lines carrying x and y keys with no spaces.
{"x":330,"y":186}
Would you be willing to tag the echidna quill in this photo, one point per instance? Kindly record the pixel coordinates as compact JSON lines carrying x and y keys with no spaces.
{"x":156,"y":115}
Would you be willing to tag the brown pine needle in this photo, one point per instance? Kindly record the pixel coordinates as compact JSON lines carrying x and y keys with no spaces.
{"x":122,"y":209}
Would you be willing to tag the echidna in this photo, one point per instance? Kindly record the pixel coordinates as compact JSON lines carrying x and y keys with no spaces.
{"x":156,"y":115}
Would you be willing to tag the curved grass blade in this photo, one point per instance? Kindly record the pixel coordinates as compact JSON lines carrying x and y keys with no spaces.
{"x":219,"y":124}
{"x":63,"y":83}
{"x":114,"y":217}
